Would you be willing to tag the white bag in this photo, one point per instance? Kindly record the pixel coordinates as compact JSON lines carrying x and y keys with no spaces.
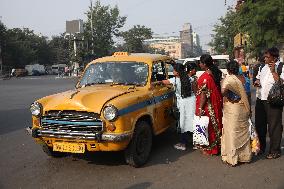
{"x":252,"y":130}
{"x":200,"y":130}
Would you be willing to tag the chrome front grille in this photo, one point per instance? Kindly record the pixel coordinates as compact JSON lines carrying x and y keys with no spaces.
{"x":71,"y":122}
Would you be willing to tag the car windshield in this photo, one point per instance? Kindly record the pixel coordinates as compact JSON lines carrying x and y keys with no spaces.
{"x":221,"y":63}
{"x":180,"y":61}
{"x":124,"y":73}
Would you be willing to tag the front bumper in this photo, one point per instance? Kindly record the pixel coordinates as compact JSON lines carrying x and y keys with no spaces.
{"x":36,"y":133}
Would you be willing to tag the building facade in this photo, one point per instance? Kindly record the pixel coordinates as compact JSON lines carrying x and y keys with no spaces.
{"x":177,"y":47}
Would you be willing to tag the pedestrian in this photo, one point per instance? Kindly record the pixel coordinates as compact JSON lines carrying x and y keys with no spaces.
{"x":269,"y":116}
{"x":13,"y":72}
{"x":244,"y":76}
{"x":185,"y":102}
{"x":235,"y":143}
{"x":209,"y":102}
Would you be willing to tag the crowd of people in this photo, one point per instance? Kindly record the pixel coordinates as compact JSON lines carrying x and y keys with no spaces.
{"x":227,"y":103}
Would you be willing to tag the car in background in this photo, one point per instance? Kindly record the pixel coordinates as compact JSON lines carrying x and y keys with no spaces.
{"x":219,"y":60}
{"x":20,"y":72}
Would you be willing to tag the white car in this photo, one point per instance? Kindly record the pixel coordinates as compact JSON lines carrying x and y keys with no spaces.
{"x":219,"y":60}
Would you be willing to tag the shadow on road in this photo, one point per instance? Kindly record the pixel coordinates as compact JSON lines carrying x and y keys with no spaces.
{"x":162,"y":152}
{"x":142,"y":185}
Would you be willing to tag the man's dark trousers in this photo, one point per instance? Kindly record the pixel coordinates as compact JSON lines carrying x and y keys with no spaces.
{"x":266,"y":114}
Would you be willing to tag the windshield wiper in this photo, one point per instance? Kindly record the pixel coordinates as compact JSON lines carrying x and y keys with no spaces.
{"x":117,"y":83}
{"x":90,"y":84}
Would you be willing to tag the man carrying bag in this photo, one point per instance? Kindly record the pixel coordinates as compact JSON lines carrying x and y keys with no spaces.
{"x":269,"y":113}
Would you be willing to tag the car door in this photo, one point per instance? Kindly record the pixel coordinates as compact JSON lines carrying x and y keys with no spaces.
{"x":163,"y":98}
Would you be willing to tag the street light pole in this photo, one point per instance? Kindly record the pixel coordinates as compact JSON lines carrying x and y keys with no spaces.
{"x":1,"y":63}
{"x":92,"y":27}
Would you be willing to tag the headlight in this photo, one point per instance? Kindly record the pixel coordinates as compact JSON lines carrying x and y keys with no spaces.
{"x":36,"y":109}
{"x":110,"y":113}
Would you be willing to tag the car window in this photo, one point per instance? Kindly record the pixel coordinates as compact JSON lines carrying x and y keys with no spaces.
{"x":179,"y":61}
{"x":158,"y":72}
{"x":221,"y":63}
{"x":116,"y":72}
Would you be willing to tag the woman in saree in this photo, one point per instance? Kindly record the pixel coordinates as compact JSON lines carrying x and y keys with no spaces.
{"x":235,"y":144}
{"x":209,"y":103}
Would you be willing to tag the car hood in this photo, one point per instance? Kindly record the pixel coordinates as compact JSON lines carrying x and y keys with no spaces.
{"x":91,"y":99}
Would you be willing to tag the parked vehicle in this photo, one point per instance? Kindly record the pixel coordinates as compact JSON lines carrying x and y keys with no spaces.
{"x":20,"y":72}
{"x":219,"y":60}
{"x":115,"y":107}
{"x":58,"y":68}
{"x":35,"y":69}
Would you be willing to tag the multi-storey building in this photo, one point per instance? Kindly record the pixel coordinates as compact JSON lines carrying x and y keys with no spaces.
{"x":176,"y":46}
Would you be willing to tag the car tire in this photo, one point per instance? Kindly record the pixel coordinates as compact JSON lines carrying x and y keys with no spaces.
{"x":48,"y":150}
{"x":139,"y":148}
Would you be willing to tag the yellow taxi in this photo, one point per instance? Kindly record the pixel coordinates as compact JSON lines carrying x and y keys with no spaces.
{"x":115,"y":106}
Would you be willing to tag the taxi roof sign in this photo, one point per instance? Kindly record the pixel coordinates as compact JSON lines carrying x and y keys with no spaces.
{"x":121,"y":54}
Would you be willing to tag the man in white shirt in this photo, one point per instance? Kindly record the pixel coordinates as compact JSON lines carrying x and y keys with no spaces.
{"x":267,"y":114}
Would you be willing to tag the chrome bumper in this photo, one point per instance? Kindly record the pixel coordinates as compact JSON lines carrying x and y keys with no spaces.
{"x":78,"y":135}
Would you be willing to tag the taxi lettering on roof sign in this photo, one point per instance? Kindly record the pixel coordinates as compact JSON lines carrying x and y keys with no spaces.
{"x":115,"y":106}
{"x":121,"y":54}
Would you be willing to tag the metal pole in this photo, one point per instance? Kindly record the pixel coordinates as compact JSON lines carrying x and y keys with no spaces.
{"x":1,"y":68}
{"x":92,"y":27}
{"x":1,"y":63}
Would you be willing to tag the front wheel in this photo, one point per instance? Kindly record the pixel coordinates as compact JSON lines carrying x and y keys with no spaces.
{"x":48,"y":150}
{"x":138,"y":150}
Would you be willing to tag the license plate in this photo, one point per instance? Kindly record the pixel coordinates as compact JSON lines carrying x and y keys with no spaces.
{"x":69,"y":147}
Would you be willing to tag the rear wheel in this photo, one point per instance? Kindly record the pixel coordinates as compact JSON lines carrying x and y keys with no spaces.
{"x":48,"y":150}
{"x":138,"y":150}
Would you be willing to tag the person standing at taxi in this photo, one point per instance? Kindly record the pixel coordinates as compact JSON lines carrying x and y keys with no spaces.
{"x":267,"y":114}
{"x":185,"y":102}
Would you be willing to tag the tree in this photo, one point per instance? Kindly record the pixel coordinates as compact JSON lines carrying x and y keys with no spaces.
{"x":106,"y":22}
{"x":134,"y":38}
{"x":223,"y":39}
{"x":22,"y":47}
{"x":263,"y":21}
{"x":60,"y":50}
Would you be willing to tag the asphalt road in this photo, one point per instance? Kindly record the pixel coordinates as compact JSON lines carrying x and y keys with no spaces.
{"x":24,"y":165}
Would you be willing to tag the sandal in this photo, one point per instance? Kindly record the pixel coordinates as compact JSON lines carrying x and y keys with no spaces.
{"x":273,"y":156}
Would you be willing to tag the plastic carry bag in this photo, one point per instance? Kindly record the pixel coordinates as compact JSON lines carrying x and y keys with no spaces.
{"x":200,"y":130}
{"x":255,"y":144}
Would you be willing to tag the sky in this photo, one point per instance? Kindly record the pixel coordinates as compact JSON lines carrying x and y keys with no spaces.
{"x":164,"y":17}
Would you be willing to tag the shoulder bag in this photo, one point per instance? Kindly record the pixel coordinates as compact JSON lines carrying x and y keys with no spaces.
{"x":276,"y":93}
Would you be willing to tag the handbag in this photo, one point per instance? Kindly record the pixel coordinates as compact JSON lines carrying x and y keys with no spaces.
{"x":276,"y":93}
{"x":200,"y":130}
{"x":175,"y":110}
{"x":255,"y":144}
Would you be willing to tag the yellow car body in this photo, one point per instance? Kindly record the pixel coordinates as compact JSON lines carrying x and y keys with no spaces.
{"x":74,"y":121}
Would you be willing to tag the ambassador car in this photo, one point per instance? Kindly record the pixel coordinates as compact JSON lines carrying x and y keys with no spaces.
{"x":115,"y":106}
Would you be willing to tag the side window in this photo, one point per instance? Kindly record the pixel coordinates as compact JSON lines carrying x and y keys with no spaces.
{"x":158,"y":72}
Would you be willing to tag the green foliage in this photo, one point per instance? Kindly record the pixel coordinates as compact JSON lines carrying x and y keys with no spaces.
{"x":223,"y":39}
{"x":106,"y":23}
{"x":60,"y":50}
{"x":264,"y":22}
{"x":21,"y":47}
{"x":261,"y":20}
{"x":134,"y":38}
